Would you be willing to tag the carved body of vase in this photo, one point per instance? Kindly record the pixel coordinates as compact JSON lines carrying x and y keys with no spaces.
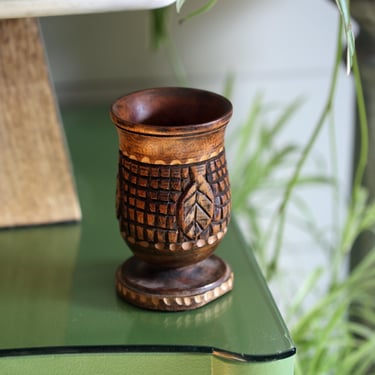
{"x":173,"y":192}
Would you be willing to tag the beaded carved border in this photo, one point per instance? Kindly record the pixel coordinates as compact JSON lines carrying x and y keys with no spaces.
{"x":169,"y":302}
{"x":148,"y":160}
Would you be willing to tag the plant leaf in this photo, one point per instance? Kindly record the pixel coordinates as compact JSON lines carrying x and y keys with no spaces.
{"x":286,"y":114}
{"x":203,"y":9}
{"x":179,"y":4}
{"x":345,"y":17}
{"x":159,"y":31}
{"x":228,"y":85}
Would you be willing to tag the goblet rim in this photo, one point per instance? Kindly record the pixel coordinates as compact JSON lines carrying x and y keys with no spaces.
{"x":117,"y":113}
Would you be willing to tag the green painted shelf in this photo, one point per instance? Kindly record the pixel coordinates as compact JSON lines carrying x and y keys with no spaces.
{"x":59,"y":313}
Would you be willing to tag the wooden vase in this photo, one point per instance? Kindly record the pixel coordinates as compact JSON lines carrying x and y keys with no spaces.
{"x":173,"y":197}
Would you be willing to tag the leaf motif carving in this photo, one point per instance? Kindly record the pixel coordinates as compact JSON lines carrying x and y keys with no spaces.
{"x":196,"y":208}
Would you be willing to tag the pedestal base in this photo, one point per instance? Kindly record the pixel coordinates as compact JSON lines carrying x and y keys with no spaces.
{"x":177,"y":289}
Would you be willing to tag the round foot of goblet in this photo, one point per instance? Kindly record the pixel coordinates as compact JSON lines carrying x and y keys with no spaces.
{"x":173,"y":289}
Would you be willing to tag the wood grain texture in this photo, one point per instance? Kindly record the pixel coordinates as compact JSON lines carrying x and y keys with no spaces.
{"x":173,"y":193}
{"x":36,"y":183}
{"x":173,"y":196}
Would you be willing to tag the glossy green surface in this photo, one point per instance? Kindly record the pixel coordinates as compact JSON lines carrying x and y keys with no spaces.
{"x":57,"y":283}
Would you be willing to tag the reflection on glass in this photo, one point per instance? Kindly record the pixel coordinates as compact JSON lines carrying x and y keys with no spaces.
{"x":203,"y":327}
{"x":36,"y":267}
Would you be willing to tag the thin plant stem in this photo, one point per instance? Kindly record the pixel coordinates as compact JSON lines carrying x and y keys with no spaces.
{"x":363,"y":125}
{"x":203,"y":9}
{"x":360,"y":167}
{"x":306,"y":151}
{"x":336,"y":188}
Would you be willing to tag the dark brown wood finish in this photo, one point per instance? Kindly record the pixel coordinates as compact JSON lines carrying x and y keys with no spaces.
{"x":173,"y":192}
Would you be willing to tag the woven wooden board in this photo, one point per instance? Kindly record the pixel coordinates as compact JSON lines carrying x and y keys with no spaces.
{"x":36,"y":183}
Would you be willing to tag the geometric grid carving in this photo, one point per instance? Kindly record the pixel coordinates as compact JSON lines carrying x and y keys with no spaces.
{"x":173,"y":207}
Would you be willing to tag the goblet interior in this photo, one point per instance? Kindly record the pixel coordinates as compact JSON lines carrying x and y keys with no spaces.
{"x":171,"y":106}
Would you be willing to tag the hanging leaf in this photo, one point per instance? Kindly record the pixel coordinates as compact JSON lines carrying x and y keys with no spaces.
{"x":159,"y":31}
{"x":203,"y":9}
{"x":179,"y":4}
{"x":345,"y":17}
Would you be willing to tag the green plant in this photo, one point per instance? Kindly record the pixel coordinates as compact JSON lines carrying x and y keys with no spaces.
{"x":335,"y":334}
{"x":259,"y":173}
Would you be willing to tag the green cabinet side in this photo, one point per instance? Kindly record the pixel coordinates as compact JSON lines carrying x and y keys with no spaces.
{"x":142,"y":364}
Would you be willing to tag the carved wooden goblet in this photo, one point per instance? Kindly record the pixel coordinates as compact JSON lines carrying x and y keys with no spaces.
{"x":173,"y":197}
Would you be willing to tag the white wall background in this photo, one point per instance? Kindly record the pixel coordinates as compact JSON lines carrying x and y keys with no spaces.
{"x":284,"y":49}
